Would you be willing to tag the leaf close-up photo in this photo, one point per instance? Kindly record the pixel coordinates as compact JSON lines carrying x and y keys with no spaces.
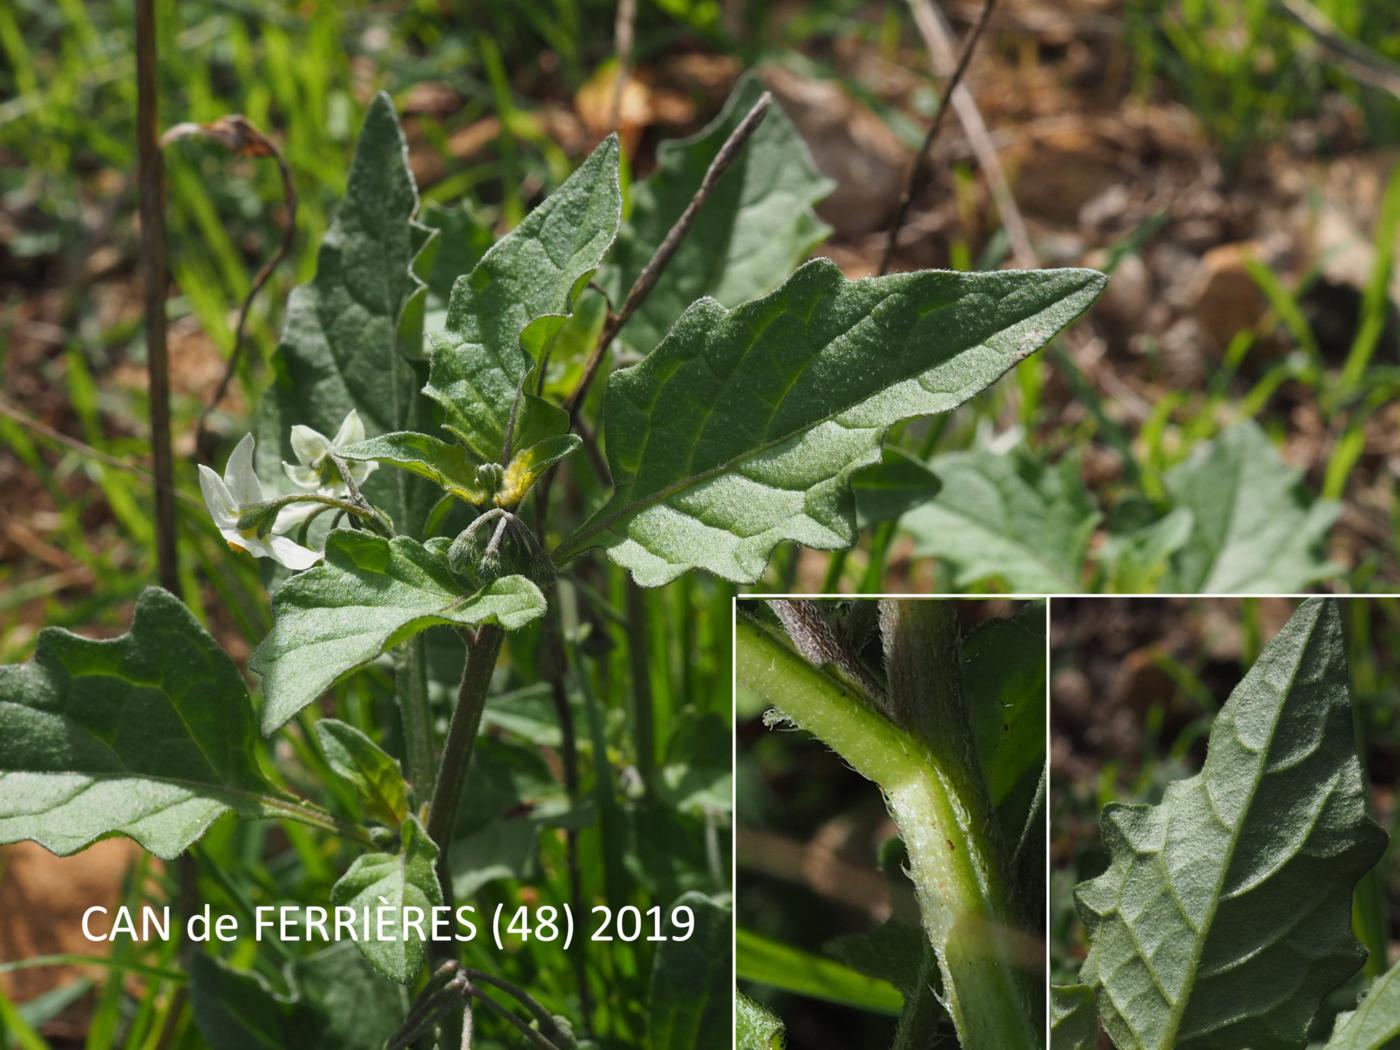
{"x":1237,"y":897}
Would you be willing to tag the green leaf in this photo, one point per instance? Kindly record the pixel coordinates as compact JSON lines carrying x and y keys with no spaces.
{"x":691,"y":986}
{"x":394,"y":882}
{"x":528,"y":466}
{"x":367,"y":596}
{"x":1375,"y":1023}
{"x":340,"y":344}
{"x":887,"y":489}
{"x":1225,"y":914}
{"x":376,"y":775}
{"x":756,"y":1029}
{"x":479,"y":366}
{"x":1008,"y":518}
{"x":149,"y":735}
{"x":765,"y":961}
{"x":1074,"y":1022}
{"x":698,"y":774}
{"x":334,"y":999}
{"x":502,"y":849}
{"x":450,"y":467}
{"x":1255,"y":527}
{"x":236,"y":1010}
{"x":742,"y":429}
{"x":756,"y":226}
{"x":1003,"y":672}
{"x":1137,"y":557}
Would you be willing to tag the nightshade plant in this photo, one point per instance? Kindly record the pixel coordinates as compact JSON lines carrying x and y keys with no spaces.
{"x":951,"y":729}
{"x":425,"y":387}
{"x":1225,"y":916}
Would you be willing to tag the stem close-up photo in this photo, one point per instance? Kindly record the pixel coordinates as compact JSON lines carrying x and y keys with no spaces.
{"x":890,"y":823}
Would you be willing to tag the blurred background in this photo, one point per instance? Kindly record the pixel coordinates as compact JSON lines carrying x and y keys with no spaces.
{"x":1134,"y":687}
{"x":1231,"y":164}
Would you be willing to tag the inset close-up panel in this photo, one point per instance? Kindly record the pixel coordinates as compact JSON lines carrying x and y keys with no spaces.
{"x":890,"y":823}
{"x":1222,"y":813}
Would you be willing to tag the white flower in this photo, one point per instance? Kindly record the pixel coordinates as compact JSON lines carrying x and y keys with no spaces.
{"x":238,"y":489}
{"x":316,"y":471}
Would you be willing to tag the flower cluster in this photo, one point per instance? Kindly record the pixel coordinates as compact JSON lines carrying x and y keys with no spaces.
{"x":258,"y":524}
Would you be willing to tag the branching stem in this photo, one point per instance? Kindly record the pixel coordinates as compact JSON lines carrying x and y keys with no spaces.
{"x":661,"y":258}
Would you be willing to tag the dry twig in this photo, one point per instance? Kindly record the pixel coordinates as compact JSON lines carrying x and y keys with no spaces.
{"x":242,"y":139}
{"x":656,"y":265}
{"x":938,"y":38}
{"x":918,"y":174}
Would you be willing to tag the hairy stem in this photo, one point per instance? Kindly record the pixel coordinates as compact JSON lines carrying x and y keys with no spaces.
{"x":151,"y":179}
{"x":411,"y":688}
{"x":373,"y":518}
{"x":483,"y":649}
{"x":961,"y":890}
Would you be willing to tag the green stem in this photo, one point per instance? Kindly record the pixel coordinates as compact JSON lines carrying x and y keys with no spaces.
{"x":483,"y":648}
{"x":314,"y":816}
{"x":371,"y":517}
{"x":643,"y":718}
{"x":960,"y":887}
{"x":411,"y":688}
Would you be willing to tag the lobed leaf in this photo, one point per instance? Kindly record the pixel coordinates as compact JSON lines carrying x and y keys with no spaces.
{"x":1255,"y":528}
{"x":1074,"y":1021}
{"x":393,"y":881}
{"x":479,"y":366}
{"x":1375,"y":1023}
{"x":743,"y":428}
{"x":367,"y":596}
{"x":1225,"y":914}
{"x":1008,"y":518}
{"x":340,"y":347}
{"x":756,"y":227}
{"x":149,"y":735}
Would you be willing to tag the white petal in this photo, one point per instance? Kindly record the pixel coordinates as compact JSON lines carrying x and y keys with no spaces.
{"x":291,"y":554}
{"x":302,"y":477}
{"x":223,"y":508}
{"x":235,"y":540}
{"x":309,"y":445}
{"x":351,"y":432}
{"x":242,"y":482}
{"x":361,"y":470}
{"x":292,"y":515}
